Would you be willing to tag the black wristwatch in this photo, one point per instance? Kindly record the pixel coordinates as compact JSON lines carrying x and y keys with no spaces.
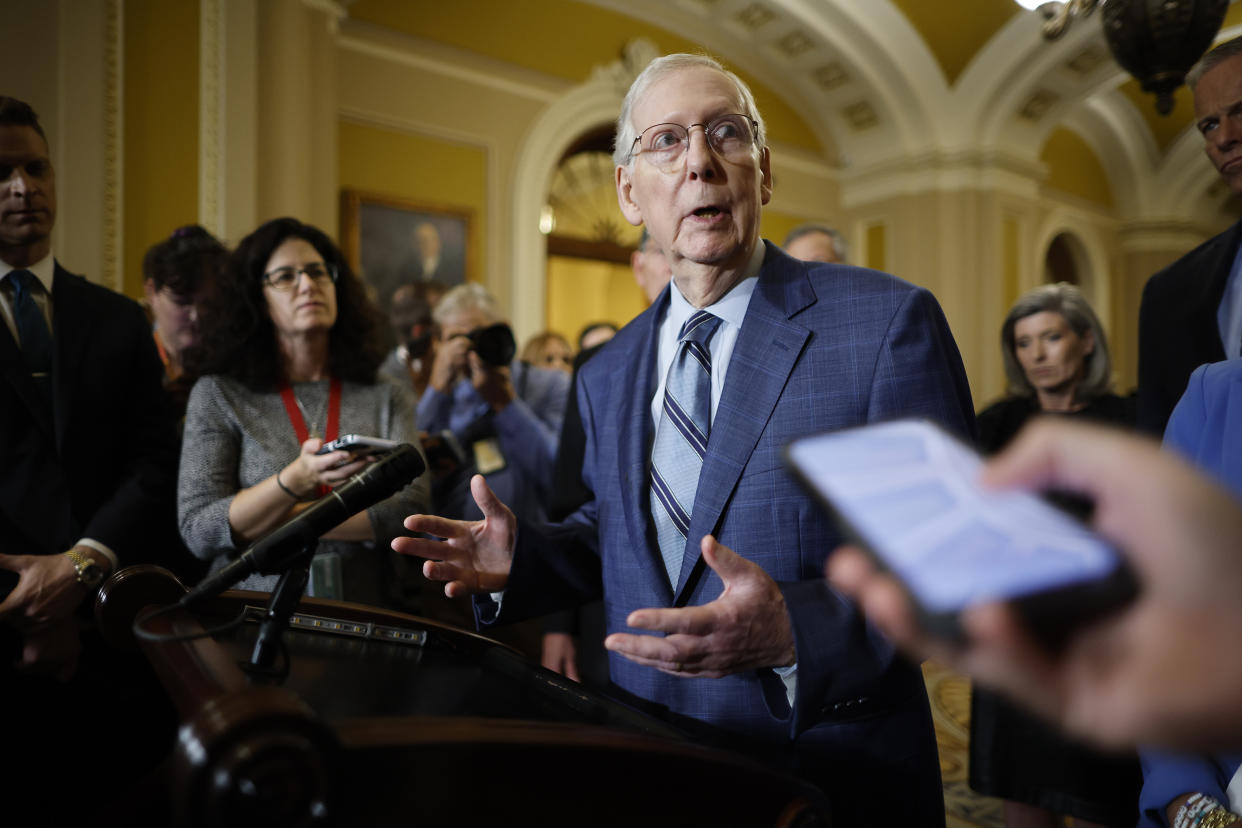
{"x":90,"y":574}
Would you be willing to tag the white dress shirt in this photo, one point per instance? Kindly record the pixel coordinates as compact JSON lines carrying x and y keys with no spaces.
{"x":1229,"y":314}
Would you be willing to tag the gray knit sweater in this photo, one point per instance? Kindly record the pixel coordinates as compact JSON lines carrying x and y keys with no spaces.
{"x":235,"y":438}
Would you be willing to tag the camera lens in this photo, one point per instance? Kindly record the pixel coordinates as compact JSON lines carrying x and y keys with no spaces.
{"x":494,"y":344}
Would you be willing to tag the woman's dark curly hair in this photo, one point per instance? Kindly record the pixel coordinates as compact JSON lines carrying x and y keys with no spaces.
{"x":187,"y":261}
{"x":237,"y":335}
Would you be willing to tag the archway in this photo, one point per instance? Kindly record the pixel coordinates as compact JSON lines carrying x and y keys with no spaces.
{"x":587,"y":108}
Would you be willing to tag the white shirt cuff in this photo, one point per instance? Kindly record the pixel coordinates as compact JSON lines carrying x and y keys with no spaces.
{"x":101,"y":549}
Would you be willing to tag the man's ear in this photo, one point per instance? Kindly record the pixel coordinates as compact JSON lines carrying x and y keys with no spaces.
{"x":148,"y":290}
{"x":625,"y":192}
{"x":765,"y":167}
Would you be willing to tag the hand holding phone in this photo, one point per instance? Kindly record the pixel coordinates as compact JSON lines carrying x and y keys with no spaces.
{"x":359,"y":444}
{"x":907,"y":493}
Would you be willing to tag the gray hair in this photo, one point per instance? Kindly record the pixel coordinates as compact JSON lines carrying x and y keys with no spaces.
{"x":1215,"y":56}
{"x":467,"y":297}
{"x":839,"y":245}
{"x":659,"y":68}
{"x":1068,"y":301}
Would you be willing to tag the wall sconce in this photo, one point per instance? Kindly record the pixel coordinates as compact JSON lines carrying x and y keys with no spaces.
{"x":1156,"y":41}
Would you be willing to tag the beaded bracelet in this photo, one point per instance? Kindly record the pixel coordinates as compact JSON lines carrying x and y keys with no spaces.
{"x":1197,"y":805}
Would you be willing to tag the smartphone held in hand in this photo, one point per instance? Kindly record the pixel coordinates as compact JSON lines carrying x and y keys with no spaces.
{"x":907,"y":492}
{"x":359,"y":444}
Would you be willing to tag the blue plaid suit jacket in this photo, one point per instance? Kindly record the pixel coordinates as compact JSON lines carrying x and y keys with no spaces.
{"x":822,"y":347}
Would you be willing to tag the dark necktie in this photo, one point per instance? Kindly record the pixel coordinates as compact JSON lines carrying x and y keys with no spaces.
{"x":32,"y":332}
{"x":681,"y":439}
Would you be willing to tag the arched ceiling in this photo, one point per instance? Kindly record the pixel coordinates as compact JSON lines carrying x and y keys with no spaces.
{"x":866,"y":84}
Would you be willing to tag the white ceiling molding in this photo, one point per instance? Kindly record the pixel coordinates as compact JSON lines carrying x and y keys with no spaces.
{"x":942,"y":172}
{"x":796,"y":159}
{"x":1117,"y":134}
{"x":1188,"y":183}
{"x":756,"y":42}
{"x":1041,"y":69}
{"x":1162,"y":235}
{"x":896,"y":73}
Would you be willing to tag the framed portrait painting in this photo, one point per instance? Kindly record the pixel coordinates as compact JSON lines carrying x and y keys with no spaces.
{"x":391,"y":242}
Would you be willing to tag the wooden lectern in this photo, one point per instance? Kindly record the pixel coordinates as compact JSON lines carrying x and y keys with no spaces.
{"x":379,"y":718}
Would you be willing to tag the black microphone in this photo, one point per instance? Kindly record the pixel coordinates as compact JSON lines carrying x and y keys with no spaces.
{"x":282,"y":546}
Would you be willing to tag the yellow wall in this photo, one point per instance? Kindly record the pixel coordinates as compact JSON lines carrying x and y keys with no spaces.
{"x":582,"y":291}
{"x":1074,"y":168}
{"x":954,"y":33}
{"x":775,"y":226}
{"x":419,"y":169}
{"x":876,"y":248}
{"x":161,"y":127}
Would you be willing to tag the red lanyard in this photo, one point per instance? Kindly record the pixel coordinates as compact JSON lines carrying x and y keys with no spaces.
{"x":169,"y":368}
{"x":330,"y":428}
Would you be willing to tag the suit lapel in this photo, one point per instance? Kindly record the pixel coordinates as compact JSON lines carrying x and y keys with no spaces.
{"x":72,"y":322}
{"x":1219,"y":266}
{"x":634,"y":436}
{"x":1203,"y":296}
{"x":767,"y":349}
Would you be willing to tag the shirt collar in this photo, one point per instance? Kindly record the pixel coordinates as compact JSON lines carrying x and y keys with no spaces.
{"x":732,"y":306}
{"x":44,"y":270}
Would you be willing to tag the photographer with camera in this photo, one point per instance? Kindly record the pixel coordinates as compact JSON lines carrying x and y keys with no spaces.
{"x":505,"y":415}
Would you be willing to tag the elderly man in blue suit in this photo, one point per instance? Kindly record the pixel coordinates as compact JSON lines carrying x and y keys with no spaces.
{"x":686,"y":414}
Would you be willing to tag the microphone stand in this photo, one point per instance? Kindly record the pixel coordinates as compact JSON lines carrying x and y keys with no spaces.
{"x":289,"y":590}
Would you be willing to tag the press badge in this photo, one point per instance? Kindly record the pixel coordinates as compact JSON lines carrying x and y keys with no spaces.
{"x":488,"y":458}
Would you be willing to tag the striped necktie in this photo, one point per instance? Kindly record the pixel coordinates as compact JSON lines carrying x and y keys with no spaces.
{"x":681,"y":439}
{"x":32,"y":330}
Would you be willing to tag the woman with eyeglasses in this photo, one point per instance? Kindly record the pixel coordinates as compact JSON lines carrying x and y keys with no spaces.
{"x":288,"y":358}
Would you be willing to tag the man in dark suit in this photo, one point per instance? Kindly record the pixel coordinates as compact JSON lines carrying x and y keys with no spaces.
{"x":1191,"y":311}
{"x":750,"y":642}
{"x":87,"y":468}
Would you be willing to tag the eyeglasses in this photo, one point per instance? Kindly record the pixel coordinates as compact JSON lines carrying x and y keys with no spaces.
{"x":286,"y":278}
{"x":664,"y":145}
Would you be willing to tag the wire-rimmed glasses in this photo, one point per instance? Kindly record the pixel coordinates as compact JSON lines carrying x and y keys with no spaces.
{"x":730,"y":136}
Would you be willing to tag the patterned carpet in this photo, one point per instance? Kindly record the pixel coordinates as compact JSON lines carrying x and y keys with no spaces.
{"x":950,"y":702}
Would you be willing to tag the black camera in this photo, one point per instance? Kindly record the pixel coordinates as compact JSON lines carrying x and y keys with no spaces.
{"x":494,"y":344}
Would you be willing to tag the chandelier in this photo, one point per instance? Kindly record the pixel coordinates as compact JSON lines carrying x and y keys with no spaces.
{"x":1156,"y":41}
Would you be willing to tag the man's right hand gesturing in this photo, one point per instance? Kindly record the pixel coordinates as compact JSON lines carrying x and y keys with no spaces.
{"x":474,"y":556}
